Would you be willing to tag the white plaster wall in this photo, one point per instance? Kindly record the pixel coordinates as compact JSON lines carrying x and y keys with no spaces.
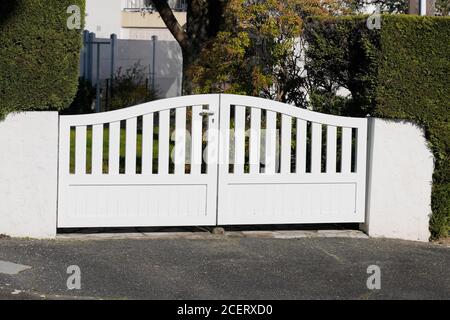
{"x":104,"y":17}
{"x":399,"y":181}
{"x":28,"y":174}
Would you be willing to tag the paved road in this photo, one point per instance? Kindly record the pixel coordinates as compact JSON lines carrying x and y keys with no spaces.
{"x":228,"y":268}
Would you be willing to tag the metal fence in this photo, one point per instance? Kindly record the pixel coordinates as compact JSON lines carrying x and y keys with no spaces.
{"x":103,"y":58}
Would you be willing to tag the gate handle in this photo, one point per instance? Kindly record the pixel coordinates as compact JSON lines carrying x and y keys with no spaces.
{"x":207,"y":113}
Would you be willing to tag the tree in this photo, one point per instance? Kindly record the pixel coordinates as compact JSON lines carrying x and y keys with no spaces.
{"x":260,"y":50}
{"x":443,"y":7}
{"x":204,"y":19}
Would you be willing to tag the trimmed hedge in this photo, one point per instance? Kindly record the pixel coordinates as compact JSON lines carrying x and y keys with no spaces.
{"x":39,"y":55}
{"x":401,"y":71}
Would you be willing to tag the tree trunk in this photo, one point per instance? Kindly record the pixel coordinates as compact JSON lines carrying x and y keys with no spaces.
{"x":204,"y":20}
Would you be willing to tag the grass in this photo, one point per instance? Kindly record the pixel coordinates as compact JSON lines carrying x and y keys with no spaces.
{"x":106,"y":150}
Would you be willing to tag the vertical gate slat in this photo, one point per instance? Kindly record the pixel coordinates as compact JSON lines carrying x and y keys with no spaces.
{"x":331,"y":149}
{"x":114,"y":147}
{"x":196,"y":151}
{"x":316,"y":147}
{"x":286,"y":128}
{"x":130,"y":147}
{"x":97,"y":149}
{"x":224,"y":154}
{"x":255,"y":140}
{"x":213,"y":142}
{"x":147,"y":143}
{"x":239,"y":139}
{"x":64,"y":148}
{"x":80,"y":150}
{"x":271,"y":137}
{"x":346,"y":150}
{"x":361,"y":136}
{"x":180,"y":140}
{"x":163,"y":146}
{"x":301,"y":147}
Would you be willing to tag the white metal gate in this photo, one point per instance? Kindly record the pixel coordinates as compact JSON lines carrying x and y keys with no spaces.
{"x":210,"y":159}
{"x":298,"y":166}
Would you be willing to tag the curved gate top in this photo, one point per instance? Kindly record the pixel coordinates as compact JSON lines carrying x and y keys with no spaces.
{"x":214,"y":159}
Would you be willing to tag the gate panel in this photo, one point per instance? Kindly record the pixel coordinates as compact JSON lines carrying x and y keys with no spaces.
{"x":139,"y":166}
{"x":300,"y":166}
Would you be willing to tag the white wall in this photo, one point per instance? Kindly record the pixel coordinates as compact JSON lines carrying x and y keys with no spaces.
{"x":28,"y":174}
{"x":399,"y":181}
{"x":104,"y":17}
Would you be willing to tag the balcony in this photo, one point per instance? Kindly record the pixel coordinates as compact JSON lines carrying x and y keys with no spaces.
{"x":136,"y":14}
{"x":146,"y":6}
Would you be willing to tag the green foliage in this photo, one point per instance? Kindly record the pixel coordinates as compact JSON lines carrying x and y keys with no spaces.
{"x":341,"y":55}
{"x":443,"y":7}
{"x":39,"y":55}
{"x":258,"y":51}
{"x":403,"y":73}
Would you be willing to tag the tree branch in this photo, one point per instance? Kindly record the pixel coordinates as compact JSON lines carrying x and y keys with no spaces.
{"x":171,"y":22}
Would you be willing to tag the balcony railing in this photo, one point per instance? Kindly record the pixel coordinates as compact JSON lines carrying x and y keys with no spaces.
{"x":145,"y":5}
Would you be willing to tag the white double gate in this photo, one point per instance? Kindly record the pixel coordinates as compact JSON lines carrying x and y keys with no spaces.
{"x":214,"y":159}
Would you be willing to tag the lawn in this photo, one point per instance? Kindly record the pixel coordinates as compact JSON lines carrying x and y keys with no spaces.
{"x":122,"y":150}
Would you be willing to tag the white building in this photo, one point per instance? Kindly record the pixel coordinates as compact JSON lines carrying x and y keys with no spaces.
{"x":130,"y":19}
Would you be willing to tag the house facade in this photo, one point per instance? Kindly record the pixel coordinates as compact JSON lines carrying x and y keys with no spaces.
{"x":130,"y":19}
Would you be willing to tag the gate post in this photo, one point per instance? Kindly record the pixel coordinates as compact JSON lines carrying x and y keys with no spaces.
{"x":28,"y":171}
{"x":399,"y":178}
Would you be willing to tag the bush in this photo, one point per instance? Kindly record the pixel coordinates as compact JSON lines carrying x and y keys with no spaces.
{"x":130,"y":88}
{"x":401,"y":71}
{"x":39,"y":55}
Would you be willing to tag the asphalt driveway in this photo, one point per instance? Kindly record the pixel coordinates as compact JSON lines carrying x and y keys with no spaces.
{"x":226,"y":268}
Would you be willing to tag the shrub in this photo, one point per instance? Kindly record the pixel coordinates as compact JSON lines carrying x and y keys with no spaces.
{"x":401,"y":71}
{"x":130,"y":88}
{"x":39,"y":55}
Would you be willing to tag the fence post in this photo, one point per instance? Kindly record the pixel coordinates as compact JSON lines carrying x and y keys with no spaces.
{"x":90,"y":55}
{"x":154,"y":39}
{"x":113,"y":48}
{"x":85,"y":53}
{"x":97,"y":80}
{"x":113,"y":65}
{"x":107,"y":94}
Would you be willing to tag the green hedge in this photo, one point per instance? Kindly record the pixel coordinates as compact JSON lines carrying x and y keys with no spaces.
{"x":400,"y":71}
{"x":39,"y":55}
